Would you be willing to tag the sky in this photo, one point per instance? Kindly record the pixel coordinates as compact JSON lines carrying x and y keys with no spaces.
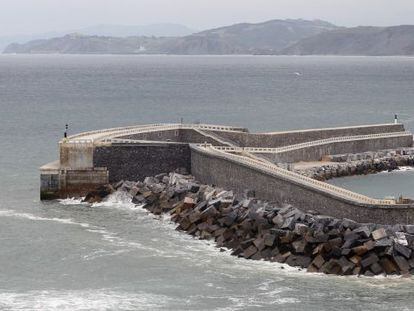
{"x":38,"y":16}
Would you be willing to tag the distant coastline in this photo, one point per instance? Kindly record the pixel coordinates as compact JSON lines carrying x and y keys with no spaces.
{"x":276,"y":37}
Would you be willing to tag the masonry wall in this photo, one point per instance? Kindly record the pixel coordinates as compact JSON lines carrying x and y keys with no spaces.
{"x":137,"y":161}
{"x":238,"y":177}
{"x":315,"y":153}
{"x":280,"y":139}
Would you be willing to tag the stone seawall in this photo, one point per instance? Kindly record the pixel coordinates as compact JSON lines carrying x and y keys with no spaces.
{"x":280,"y":139}
{"x":239,"y":177}
{"x":136,"y":161}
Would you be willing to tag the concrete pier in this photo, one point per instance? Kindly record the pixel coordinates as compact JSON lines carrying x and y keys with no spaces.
{"x":94,"y":158}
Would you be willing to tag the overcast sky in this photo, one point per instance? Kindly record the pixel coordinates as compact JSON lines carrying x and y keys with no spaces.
{"x":34,"y":16}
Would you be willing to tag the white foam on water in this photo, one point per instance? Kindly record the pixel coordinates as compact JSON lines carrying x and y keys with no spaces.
{"x":72,"y":201}
{"x":401,"y":169}
{"x":248,"y":301}
{"x":77,"y":300}
{"x":406,"y":168}
{"x":118,"y":199}
{"x":202,"y":252}
{"x":68,"y":221}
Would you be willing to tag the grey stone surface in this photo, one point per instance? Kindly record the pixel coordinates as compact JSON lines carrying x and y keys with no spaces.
{"x":135,"y":162}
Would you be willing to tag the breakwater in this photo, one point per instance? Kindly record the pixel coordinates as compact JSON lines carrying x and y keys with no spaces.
{"x":260,"y":230}
{"x":217,"y":154}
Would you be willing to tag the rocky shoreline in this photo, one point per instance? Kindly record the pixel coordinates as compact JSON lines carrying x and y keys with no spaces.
{"x":259,"y":230}
{"x":359,"y":164}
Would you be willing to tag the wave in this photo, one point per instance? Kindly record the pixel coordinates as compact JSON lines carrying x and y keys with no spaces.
{"x":102,"y":299}
{"x":118,"y":199}
{"x":68,"y":221}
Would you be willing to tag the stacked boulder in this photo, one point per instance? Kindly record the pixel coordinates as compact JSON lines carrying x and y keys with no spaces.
{"x":259,"y":230}
{"x":358,"y":167}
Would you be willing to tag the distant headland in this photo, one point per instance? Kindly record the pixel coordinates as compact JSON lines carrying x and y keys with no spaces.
{"x":275,"y":37}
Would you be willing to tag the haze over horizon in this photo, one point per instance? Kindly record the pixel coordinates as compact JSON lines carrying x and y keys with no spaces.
{"x":40,"y":16}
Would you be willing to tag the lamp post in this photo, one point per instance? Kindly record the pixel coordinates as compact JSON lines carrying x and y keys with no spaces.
{"x":395,"y":119}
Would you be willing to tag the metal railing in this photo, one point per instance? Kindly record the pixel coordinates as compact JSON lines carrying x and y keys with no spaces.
{"x":314,"y":143}
{"x":131,"y":130}
{"x":216,"y":138}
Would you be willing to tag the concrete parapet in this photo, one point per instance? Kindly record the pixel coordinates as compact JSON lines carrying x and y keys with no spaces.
{"x":280,"y":139}
{"x":76,"y":154}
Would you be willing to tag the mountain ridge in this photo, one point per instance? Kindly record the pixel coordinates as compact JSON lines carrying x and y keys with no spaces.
{"x":274,"y":37}
{"x":158,"y":30}
{"x":243,"y":38}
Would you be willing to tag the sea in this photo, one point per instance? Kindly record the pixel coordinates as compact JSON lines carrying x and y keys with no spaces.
{"x":65,"y":255}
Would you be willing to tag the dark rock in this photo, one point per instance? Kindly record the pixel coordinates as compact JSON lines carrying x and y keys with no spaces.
{"x":331,"y":267}
{"x":402,"y":264}
{"x":98,"y":195}
{"x":301,"y":229}
{"x":259,"y":243}
{"x":351,"y":236}
{"x":347,"y":266}
{"x":269,"y":239}
{"x":385,"y":242}
{"x":369,"y":273}
{"x":363,"y":231}
{"x":409,"y":229}
{"x":298,"y":261}
{"x":318,"y":261}
{"x":249,"y":252}
{"x":266,"y":253}
{"x":376,"y":268}
{"x":360,"y":250}
{"x":278,"y":220}
{"x":369,"y":260}
{"x":312,"y":269}
{"x":388,"y":266}
{"x":335,"y":242}
{"x":405,"y":251}
{"x":299,"y":246}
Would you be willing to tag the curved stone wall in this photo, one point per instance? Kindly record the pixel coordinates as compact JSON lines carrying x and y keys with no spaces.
{"x":234,"y":175}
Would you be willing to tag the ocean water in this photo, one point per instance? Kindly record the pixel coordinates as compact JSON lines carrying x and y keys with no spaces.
{"x":115,"y":256}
